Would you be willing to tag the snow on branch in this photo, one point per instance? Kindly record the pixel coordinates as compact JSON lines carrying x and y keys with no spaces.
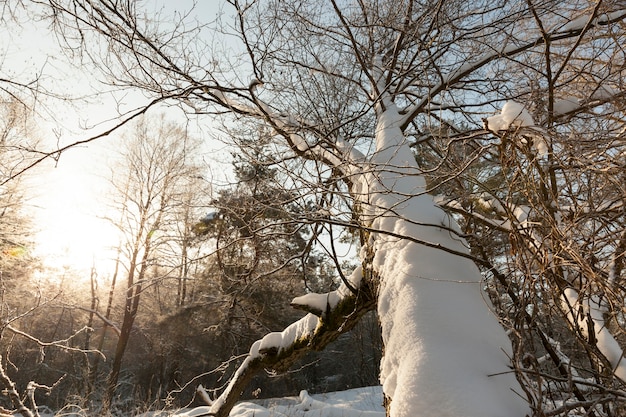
{"x":276,"y":342}
{"x":320,"y":304}
{"x":587,"y":314}
{"x":501,"y":224}
{"x":602,"y":94}
{"x":580,"y":22}
{"x":514,"y":116}
{"x":279,"y":350}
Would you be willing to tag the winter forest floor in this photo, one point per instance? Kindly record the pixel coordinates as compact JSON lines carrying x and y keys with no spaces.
{"x":358,"y":402}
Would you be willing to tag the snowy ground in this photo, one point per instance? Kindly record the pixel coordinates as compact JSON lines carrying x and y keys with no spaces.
{"x":360,"y":402}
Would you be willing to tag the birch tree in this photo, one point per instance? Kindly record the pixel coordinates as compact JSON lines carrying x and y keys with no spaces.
{"x":354,"y":93}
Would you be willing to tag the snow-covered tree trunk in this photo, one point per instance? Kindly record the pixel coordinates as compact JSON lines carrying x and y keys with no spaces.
{"x":445,"y":352}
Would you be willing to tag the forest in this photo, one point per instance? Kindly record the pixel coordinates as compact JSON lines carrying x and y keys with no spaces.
{"x":426,"y":196}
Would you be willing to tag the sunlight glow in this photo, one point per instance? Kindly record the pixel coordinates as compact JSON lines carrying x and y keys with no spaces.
{"x":69,"y":216}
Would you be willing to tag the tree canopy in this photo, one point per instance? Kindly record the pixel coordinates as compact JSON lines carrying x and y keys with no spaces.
{"x":470,"y":146}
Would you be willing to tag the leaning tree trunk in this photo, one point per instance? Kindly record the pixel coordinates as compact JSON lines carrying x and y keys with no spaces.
{"x":444,"y":350}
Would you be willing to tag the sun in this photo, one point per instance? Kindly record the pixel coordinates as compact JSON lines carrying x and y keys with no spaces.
{"x":76,"y":240}
{"x":69,"y":219}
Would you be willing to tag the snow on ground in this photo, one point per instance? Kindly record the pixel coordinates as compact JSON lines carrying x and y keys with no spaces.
{"x":359,"y":402}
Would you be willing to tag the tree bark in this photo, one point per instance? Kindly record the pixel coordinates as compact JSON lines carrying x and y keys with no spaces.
{"x":133,"y":294}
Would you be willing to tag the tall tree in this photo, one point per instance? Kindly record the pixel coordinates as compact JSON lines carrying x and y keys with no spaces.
{"x":158,"y":160}
{"x":349,"y":90}
{"x":262,"y":255}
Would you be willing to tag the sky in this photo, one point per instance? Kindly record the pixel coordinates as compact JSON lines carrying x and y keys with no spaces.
{"x":68,"y":198}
